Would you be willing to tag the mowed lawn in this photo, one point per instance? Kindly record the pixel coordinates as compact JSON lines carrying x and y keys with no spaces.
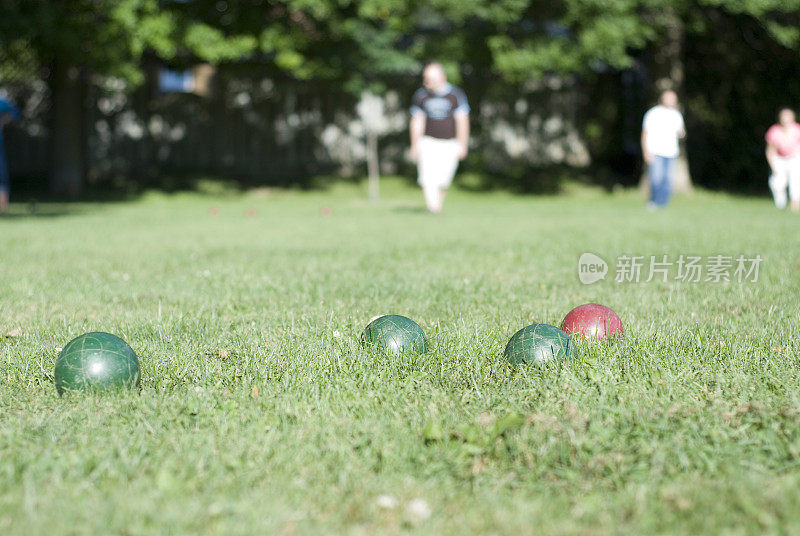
{"x":260,"y":413}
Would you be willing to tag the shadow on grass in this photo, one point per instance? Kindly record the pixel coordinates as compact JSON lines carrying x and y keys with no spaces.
{"x":30,"y":197}
{"x":33,"y":209}
{"x":412,"y":209}
{"x":44,"y":214}
{"x":474,"y":175}
{"x":522,"y":178}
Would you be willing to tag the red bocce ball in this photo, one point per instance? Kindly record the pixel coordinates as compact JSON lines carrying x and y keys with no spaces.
{"x":593,"y":321}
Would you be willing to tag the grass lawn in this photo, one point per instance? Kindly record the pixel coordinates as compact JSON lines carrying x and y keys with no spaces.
{"x":259,"y":412}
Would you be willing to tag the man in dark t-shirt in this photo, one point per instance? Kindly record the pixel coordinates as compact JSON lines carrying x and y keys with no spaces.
{"x":439,"y":133}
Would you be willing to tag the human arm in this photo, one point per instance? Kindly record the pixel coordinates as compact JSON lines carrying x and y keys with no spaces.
{"x":416,"y":130}
{"x":772,"y":154}
{"x":773,"y":139}
{"x":462,"y":135}
{"x":647,"y":124}
{"x":417,"y":124}
{"x":648,"y":156}
{"x":461,"y":116}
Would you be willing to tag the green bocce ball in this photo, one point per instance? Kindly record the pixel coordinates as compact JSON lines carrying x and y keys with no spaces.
{"x":395,"y":334}
{"x":539,"y":344}
{"x":96,"y":361}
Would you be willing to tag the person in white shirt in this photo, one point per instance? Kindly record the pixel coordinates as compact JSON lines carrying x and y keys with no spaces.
{"x":661,"y":129}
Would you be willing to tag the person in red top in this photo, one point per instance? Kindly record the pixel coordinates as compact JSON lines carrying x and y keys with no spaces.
{"x":783,"y":155}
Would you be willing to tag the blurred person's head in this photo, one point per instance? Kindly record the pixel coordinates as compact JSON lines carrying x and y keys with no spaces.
{"x":669,"y":99}
{"x":786,"y":116}
{"x":433,"y":76}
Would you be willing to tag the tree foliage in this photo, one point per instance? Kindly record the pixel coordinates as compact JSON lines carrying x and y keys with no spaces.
{"x":368,"y":39}
{"x":367,"y":44}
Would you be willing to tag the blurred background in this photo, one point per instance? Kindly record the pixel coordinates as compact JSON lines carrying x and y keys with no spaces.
{"x":121,"y":96}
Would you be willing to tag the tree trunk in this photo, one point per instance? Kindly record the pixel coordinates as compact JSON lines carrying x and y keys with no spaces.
{"x":67,"y":154}
{"x":668,"y":71}
{"x":373,"y":166}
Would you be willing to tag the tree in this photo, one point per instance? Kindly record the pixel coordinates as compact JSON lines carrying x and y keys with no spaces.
{"x":74,"y":39}
{"x":580,"y":35}
{"x":66,"y":39}
{"x":362,"y":44}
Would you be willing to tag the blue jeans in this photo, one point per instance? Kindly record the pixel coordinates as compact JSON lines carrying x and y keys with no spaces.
{"x":660,"y":173}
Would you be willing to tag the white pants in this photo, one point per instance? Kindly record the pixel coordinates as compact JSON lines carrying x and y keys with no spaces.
{"x":438,"y":161}
{"x":786,"y":174}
